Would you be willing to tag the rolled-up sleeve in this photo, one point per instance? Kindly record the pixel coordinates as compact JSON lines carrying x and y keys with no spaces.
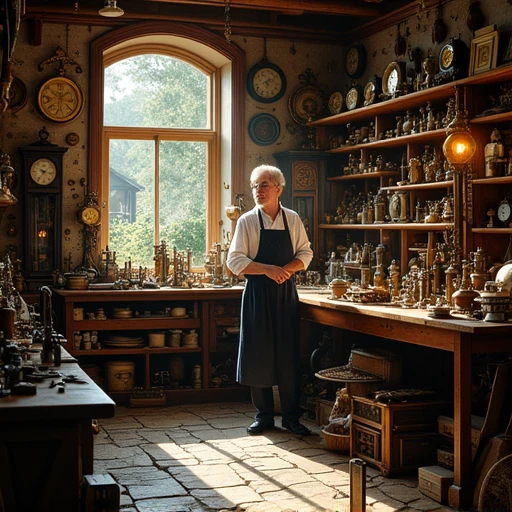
{"x":239,"y":249}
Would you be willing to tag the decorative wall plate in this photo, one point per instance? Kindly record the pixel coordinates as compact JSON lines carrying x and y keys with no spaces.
{"x":264,"y":129}
{"x":305,"y":104}
{"x":335,"y":103}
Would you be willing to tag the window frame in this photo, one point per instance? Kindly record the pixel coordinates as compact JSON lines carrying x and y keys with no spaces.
{"x":113,"y":44}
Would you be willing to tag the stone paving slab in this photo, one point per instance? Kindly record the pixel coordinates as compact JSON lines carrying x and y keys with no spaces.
{"x":199,"y":458}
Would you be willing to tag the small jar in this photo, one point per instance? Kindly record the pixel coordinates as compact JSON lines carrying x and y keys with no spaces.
{"x":175,"y":338}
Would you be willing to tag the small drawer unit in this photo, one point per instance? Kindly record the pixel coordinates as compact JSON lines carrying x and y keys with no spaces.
{"x":395,"y":438}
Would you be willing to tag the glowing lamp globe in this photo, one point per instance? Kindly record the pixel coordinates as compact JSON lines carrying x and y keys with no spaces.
{"x":459,"y":147}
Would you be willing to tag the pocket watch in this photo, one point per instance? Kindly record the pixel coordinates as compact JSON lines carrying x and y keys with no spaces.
{"x":355,"y":60}
{"x":266,"y":82}
{"x":505,"y":211}
{"x":43,"y":171}
{"x":372,"y":90}
{"x":60,"y":99}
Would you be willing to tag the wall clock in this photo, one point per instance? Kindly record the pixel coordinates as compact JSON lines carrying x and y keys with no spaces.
{"x":60,"y":99}
{"x":266,"y":82}
{"x":355,"y":60}
{"x":42,"y":171}
{"x":264,"y":129}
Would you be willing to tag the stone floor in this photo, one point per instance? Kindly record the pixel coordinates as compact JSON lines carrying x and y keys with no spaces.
{"x":197,"y":458}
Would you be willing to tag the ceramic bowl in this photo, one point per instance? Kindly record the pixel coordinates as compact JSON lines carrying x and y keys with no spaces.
{"x":178,"y":312}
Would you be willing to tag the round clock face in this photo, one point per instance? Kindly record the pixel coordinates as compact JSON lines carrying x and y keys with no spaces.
{"x":393,"y":81}
{"x":504,"y":211}
{"x":352,"y":98}
{"x":266,"y":82}
{"x":355,"y":61}
{"x":60,"y":99}
{"x":446,"y":57}
{"x":90,"y":216}
{"x":43,"y":171}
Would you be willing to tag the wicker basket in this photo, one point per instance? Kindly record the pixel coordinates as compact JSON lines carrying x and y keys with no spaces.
{"x":336,"y":442}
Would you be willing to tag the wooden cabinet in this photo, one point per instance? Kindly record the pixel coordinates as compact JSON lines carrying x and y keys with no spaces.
{"x":395,"y":438}
{"x":380,"y":136}
{"x":208,"y":313}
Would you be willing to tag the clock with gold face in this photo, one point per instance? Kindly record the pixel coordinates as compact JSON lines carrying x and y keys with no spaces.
{"x":266,"y":82}
{"x":60,"y":100}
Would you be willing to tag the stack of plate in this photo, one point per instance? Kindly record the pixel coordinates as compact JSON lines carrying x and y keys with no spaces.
{"x":122,"y":313}
{"x":124,"y":342}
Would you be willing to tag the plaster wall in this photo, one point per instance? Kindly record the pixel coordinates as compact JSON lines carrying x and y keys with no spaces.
{"x":293,"y":57}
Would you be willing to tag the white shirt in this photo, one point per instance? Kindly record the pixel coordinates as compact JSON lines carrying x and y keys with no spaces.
{"x":246,"y":240}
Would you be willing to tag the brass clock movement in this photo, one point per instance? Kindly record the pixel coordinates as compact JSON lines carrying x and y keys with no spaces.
{"x":42,"y":171}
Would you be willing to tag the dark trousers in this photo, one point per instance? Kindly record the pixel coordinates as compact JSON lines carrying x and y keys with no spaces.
{"x":289,"y":395}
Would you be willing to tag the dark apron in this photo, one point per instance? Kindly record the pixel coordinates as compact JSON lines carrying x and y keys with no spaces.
{"x":269,"y":334}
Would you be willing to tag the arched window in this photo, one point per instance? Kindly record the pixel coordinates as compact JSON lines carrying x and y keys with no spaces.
{"x":166,"y":133}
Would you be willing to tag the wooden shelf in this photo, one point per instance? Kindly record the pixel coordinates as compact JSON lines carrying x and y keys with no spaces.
{"x":142,"y":351}
{"x":412,"y":226}
{"x":136,"y":324}
{"x":414,"y":99}
{"x":501,"y":180}
{"x":421,"y":186}
{"x":363,"y":176}
{"x":393,"y":141}
{"x":493,"y":231}
{"x":493,"y":118}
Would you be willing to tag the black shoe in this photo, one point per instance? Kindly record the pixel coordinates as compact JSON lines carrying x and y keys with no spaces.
{"x":260,"y":426}
{"x":297,"y":428}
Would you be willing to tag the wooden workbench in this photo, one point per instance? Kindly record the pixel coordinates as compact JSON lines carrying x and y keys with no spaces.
{"x":462,"y":337}
{"x":46,"y":442}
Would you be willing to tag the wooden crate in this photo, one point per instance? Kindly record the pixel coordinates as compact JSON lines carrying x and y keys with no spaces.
{"x":323,"y":411}
{"x":434,"y":482}
{"x":445,"y":428}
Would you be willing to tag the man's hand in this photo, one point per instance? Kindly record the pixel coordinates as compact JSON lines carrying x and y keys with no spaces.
{"x":278,"y":274}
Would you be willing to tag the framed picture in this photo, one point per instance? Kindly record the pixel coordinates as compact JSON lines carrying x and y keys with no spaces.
{"x":508,"y":52}
{"x":484,"y":51}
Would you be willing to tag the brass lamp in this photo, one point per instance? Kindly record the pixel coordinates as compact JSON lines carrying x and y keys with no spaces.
{"x":459,"y":148}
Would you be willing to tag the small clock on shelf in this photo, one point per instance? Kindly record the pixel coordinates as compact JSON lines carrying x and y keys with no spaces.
{"x":453,"y":61}
{"x":42,"y":170}
{"x":266,"y":82}
{"x":372,"y":91}
{"x":393,"y":80}
{"x":504,"y":211}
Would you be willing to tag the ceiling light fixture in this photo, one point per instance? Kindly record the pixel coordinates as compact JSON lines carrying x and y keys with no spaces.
{"x":111,"y":10}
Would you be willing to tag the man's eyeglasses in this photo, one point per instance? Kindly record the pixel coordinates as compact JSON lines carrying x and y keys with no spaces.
{"x":263,"y":186}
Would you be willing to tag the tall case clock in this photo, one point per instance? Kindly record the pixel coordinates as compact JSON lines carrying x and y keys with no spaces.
{"x":42,"y":172}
